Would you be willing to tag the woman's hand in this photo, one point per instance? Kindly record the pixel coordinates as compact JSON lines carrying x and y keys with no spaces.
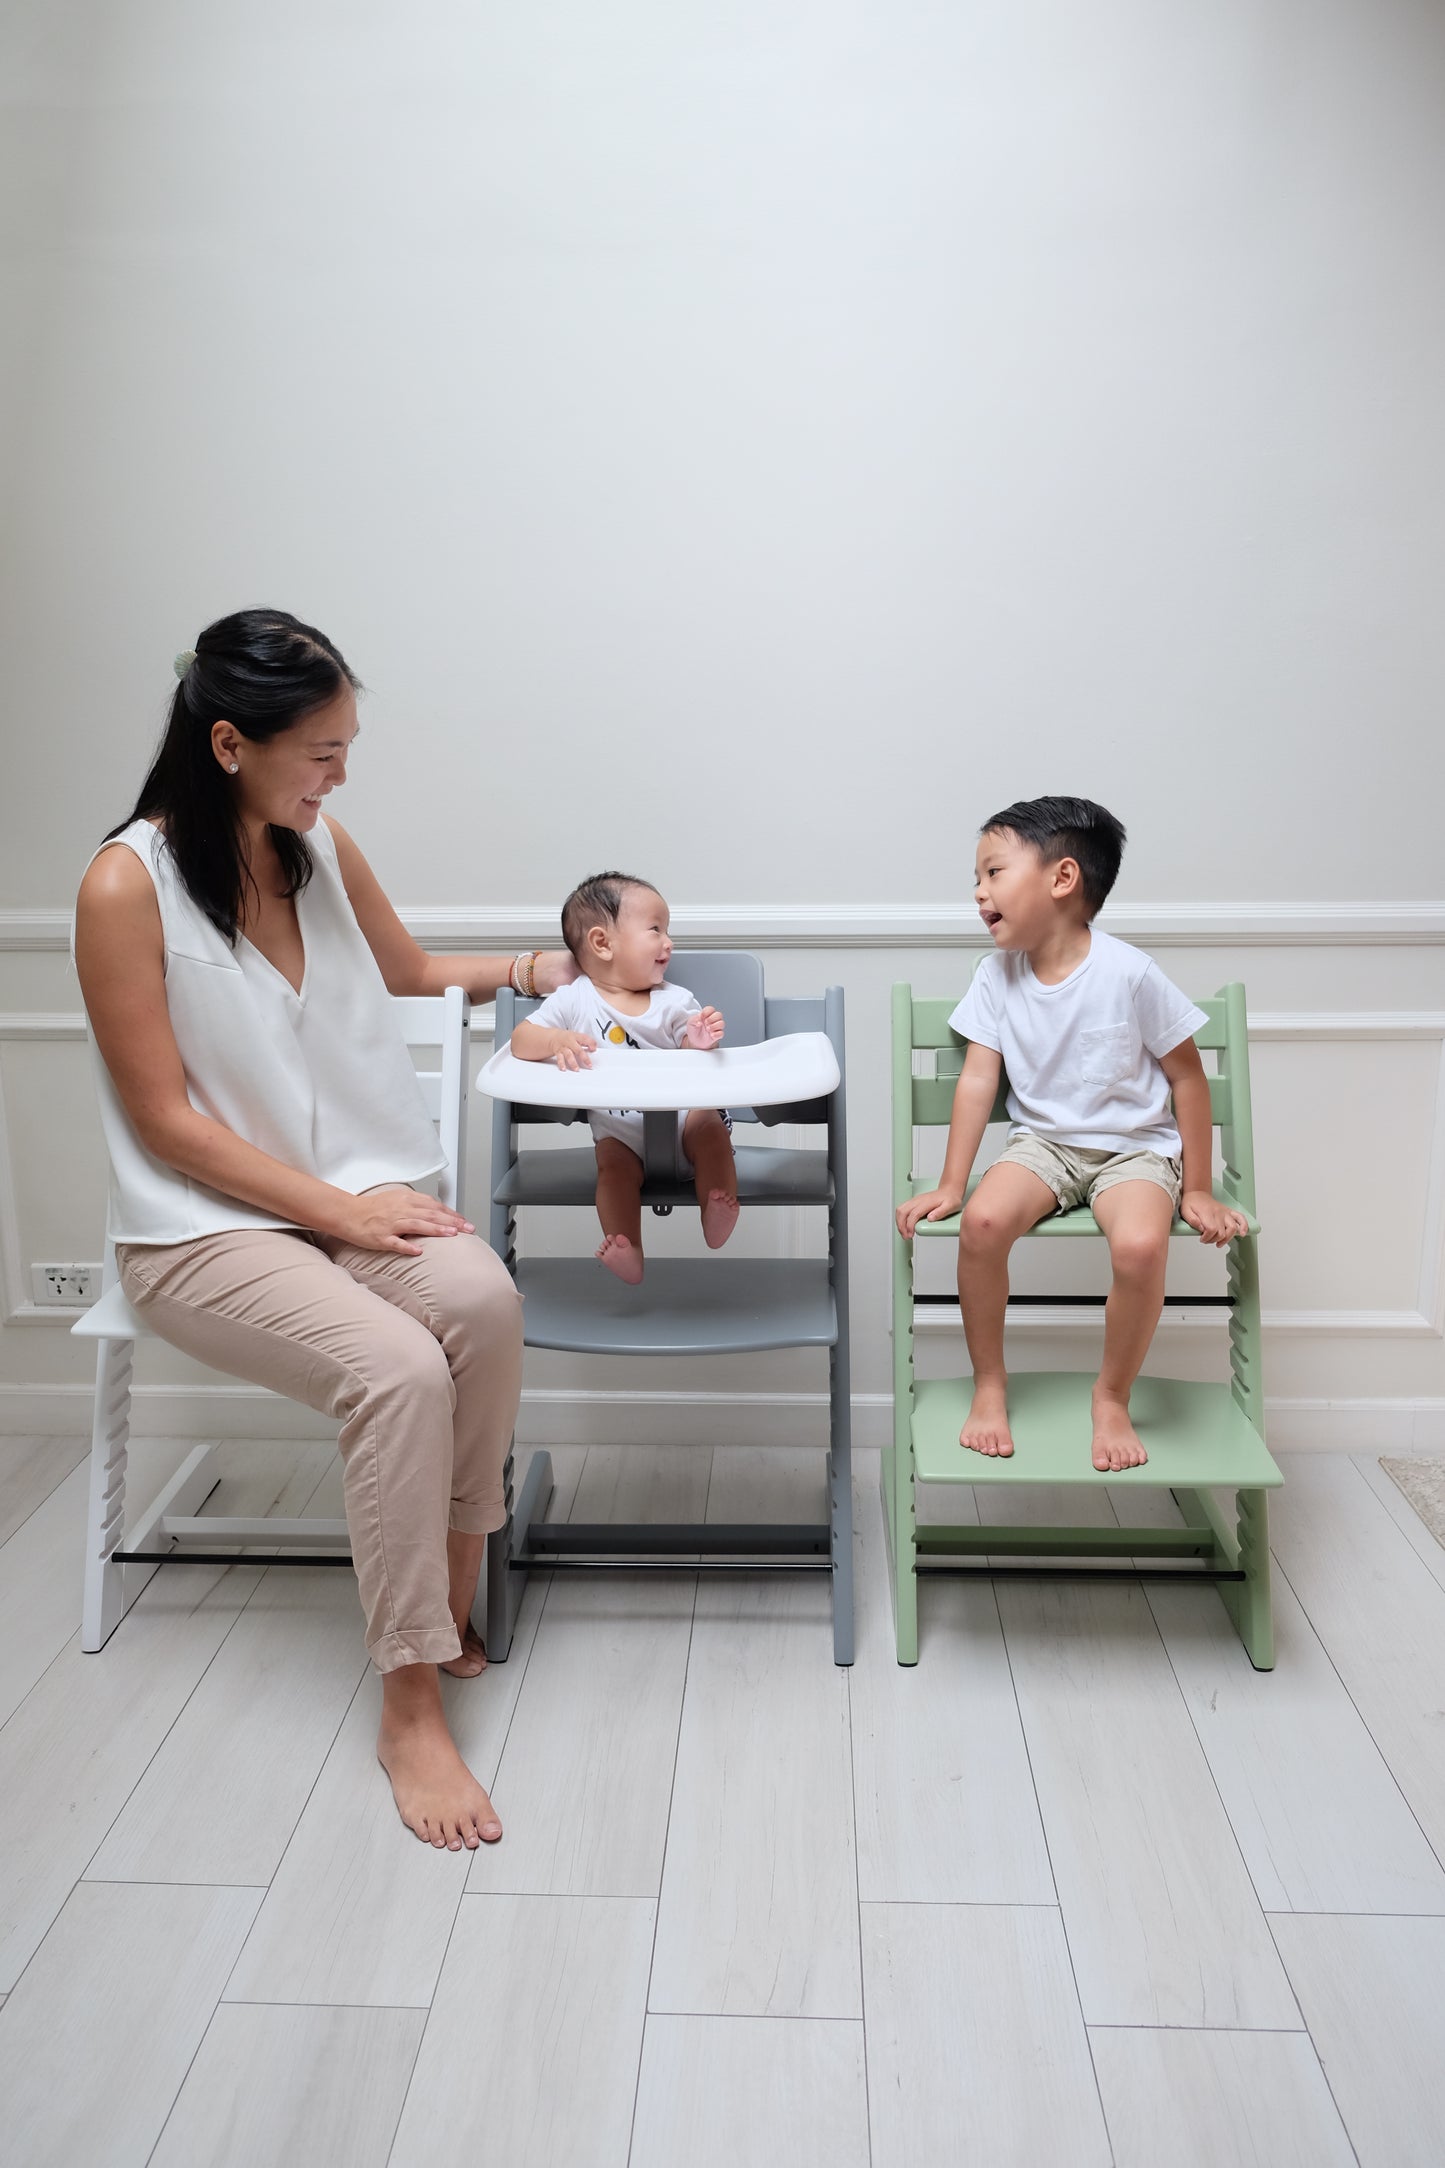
{"x":382,"y":1219}
{"x":553,"y":968}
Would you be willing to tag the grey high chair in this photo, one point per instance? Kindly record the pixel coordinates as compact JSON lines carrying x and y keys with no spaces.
{"x":685,"y":1306}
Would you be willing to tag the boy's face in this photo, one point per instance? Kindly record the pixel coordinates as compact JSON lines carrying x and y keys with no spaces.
{"x":1017,"y":893}
{"x":634,"y":950}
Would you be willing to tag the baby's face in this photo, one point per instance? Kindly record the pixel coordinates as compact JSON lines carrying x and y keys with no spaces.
{"x":639,"y":942}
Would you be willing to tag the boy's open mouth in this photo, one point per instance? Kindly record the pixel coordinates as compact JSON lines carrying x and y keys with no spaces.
{"x":991,"y":919}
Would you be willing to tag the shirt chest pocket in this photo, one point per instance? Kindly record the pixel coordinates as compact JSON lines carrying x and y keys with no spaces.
{"x":1106,"y":1053}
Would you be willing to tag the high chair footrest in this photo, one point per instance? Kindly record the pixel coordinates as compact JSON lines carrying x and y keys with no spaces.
{"x":765,"y":1176}
{"x":1196,"y":1436}
{"x":685,"y":1306}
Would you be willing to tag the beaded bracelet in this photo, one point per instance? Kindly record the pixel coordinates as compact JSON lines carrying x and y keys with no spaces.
{"x":523,"y":974}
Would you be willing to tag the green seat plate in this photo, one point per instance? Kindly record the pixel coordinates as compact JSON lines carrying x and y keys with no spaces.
{"x":1080,"y":1221}
{"x":1195,"y":1435}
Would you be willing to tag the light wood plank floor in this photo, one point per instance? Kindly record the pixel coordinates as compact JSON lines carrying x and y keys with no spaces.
{"x":1082,"y":1887}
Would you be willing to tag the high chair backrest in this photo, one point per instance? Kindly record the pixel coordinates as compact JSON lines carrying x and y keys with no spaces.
{"x":443,"y":1021}
{"x":921,"y":1026}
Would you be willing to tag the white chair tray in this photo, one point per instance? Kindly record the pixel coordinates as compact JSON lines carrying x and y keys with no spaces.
{"x":775,"y":1072}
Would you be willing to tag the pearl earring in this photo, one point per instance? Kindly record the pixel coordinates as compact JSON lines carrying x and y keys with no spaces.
{"x":235,"y":767}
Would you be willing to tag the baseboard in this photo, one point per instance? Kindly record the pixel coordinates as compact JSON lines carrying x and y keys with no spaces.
{"x":570,"y":1416}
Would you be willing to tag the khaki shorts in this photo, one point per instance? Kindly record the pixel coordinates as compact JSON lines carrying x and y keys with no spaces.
{"x":1077,"y":1175}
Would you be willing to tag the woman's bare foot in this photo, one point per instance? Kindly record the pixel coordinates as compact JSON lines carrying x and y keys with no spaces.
{"x":719,"y":1217}
{"x":1116,"y":1442}
{"x":472,"y":1659}
{"x":622,"y":1257}
{"x":435,"y":1792}
{"x":986,"y":1428}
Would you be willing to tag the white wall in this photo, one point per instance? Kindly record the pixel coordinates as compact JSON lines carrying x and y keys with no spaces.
{"x":751,"y":443}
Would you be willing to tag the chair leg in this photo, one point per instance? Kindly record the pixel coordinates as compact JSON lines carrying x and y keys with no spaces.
{"x":840,"y":1507}
{"x":899,"y":1542}
{"x":110,"y":1590}
{"x":1248,"y":1601}
{"x":505,"y":1586}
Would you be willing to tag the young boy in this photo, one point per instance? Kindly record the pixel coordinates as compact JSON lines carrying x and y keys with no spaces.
{"x":616,"y":928}
{"x":1094,"y":1039}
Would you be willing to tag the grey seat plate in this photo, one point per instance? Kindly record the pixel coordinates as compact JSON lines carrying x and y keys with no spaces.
{"x":765,"y":1176}
{"x":685,"y":1306}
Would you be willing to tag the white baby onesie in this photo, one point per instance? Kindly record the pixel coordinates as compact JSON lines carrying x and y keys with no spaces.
{"x":579,"y":1007}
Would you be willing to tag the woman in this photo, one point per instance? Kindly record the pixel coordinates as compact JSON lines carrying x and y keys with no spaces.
{"x":265,"y":1126}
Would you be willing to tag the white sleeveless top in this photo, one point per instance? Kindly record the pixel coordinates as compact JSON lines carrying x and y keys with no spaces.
{"x":321,"y":1080}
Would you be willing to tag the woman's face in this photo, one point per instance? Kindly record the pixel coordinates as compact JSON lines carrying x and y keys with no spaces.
{"x":282,"y":782}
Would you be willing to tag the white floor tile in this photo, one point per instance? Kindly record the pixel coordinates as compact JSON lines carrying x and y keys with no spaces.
{"x":1163,"y":1923}
{"x":97,"y":2037}
{"x":1200,"y":2099}
{"x":30,"y":1470}
{"x":716,"y":2091}
{"x":531,"y":2051}
{"x":976,"y":2048}
{"x":945,"y":1799}
{"x":274,"y":2084}
{"x":759,"y":1910}
{"x":1372,"y":1991}
{"x":1380,"y":1614}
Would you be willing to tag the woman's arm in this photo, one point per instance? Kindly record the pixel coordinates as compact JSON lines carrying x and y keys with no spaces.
{"x":120,"y":958}
{"x":405,"y":964}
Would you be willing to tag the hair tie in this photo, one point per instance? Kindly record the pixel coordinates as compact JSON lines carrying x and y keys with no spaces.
{"x":183,"y":661}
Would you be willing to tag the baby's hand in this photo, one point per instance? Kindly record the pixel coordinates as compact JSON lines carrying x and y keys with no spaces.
{"x":574,"y":1050}
{"x":1214,"y":1222}
{"x":703,"y":1031}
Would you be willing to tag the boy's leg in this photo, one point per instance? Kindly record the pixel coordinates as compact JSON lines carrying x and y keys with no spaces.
{"x":619,"y":1207}
{"x":707,"y":1143}
{"x":1136,"y":1217}
{"x":1008,"y":1201}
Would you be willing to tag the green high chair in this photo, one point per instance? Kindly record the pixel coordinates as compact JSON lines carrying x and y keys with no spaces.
{"x":1202,"y":1439}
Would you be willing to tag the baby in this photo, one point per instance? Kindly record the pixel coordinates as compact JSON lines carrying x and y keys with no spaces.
{"x":1109,"y":1099}
{"x":616,"y":929}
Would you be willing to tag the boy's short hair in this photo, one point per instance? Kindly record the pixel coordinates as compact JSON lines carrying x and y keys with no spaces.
{"x":596,"y":901}
{"x":1068,"y":828}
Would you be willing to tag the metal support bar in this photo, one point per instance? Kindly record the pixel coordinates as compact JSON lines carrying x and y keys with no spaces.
{"x":763,"y":1539}
{"x":984,"y":1571}
{"x":1088,"y":1302}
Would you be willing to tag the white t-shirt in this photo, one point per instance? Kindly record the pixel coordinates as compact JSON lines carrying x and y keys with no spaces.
{"x":1082,"y":1058}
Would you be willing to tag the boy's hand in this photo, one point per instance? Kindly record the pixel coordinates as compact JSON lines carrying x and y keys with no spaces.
{"x":574,"y":1050}
{"x":936,"y":1204}
{"x":704,"y":1031}
{"x":1214,"y":1222}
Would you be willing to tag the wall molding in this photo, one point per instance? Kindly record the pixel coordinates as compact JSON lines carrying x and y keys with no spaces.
{"x":576,"y":1416}
{"x":1389,"y":924}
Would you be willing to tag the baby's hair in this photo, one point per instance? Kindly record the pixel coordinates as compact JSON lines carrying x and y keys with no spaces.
{"x":596,"y":901}
{"x":1068,"y":828}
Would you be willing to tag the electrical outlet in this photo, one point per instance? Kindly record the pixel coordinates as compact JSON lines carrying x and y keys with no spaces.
{"x":66,"y":1287}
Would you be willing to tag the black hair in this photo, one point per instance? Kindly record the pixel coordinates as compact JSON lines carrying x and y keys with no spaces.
{"x":597,"y":901}
{"x":261,"y":670}
{"x":1068,"y":828}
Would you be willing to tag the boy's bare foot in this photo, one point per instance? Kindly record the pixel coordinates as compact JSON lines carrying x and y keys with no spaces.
{"x":435,"y":1792}
{"x":986,"y":1430}
{"x":1116,"y":1442}
{"x":719,"y":1217}
{"x":473,"y":1657}
{"x":622,"y":1257}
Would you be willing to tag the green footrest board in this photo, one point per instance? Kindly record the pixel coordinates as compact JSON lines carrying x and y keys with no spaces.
{"x":1195,"y":1435}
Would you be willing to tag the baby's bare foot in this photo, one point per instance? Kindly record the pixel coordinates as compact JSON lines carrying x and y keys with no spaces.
{"x":435,"y":1792}
{"x":622,"y":1257}
{"x":473,"y":1657}
{"x":1116,"y":1442}
{"x":719,"y":1217}
{"x":986,"y":1430}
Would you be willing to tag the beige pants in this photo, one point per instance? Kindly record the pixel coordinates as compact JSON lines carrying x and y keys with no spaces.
{"x":418,"y":1358}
